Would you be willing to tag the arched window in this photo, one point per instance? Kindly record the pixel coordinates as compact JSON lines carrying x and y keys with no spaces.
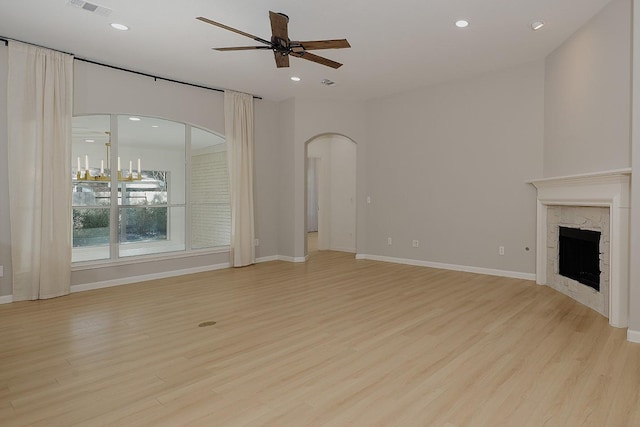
{"x":143,"y":186}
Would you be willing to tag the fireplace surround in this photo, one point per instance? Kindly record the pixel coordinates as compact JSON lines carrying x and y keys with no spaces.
{"x":610,"y":190}
{"x":587,"y":219}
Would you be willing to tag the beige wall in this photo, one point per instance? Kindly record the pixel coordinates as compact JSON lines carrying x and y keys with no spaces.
{"x":99,"y":89}
{"x":588,"y":115}
{"x":5,"y":233}
{"x":343,"y":194}
{"x":320,"y":148}
{"x":454,"y":110}
{"x":103,"y":90}
{"x":447,"y":166}
{"x":302,"y":120}
{"x":634,"y":274}
{"x":587,"y":96}
{"x":284,"y":165}
{"x":266,"y":177}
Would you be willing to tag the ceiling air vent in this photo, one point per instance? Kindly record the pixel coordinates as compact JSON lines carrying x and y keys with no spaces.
{"x":90,"y":7}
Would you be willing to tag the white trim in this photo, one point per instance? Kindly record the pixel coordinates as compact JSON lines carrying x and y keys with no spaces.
{"x":7,"y":299}
{"x":454,"y":267}
{"x":581,"y":176}
{"x":610,"y":189}
{"x":145,"y":277}
{"x":633,"y":336}
{"x":293,"y":259}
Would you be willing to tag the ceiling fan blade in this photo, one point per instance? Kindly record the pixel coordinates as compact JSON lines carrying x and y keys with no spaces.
{"x":279,"y":24}
{"x":324,"y":44}
{"x":318,"y":59}
{"x":224,"y":49}
{"x":226,"y":27}
{"x":282,"y":61}
{"x":281,"y":45}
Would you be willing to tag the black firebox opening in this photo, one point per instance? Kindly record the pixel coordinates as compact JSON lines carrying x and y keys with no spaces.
{"x":580,"y":256}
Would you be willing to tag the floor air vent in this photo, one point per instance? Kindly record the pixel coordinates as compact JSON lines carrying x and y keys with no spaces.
{"x":203,"y":324}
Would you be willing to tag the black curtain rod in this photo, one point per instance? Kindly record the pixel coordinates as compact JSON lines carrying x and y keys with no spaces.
{"x":154,"y":77}
{"x":6,"y":43}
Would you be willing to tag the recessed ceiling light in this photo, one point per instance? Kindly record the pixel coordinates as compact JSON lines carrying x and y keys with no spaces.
{"x":462,"y":23}
{"x":120,"y":27}
{"x":295,"y":78}
{"x":536,"y":25}
{"x":134,"y":119}
{"x":89,"y":140}
{"x":155,"y":126}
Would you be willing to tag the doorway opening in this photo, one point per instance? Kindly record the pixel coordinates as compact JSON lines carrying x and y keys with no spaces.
{"x":331,"y":194}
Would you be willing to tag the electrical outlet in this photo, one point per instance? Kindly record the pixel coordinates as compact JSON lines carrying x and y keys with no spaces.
{"x":501,"y":250}
{"x":415,"y":244}
{"x":389,"y":241}
{"x":257,"y":242}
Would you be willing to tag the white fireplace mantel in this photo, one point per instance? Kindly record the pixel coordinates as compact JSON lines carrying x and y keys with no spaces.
{"x":610,"y":189}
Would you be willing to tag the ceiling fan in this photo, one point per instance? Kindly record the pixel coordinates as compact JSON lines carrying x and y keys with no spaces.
{"x":280,"y":44}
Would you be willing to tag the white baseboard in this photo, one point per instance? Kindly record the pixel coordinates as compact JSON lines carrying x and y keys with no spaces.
{"x":293,"y":259}
{"x":633,"y":336}
{"x":282,"y":258}
{"x":454,"y":267}
{"x":164,"y":275}
{"x":146,"y":277}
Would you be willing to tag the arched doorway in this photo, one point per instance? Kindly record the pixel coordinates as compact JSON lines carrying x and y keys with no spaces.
{"x":330,"y":194}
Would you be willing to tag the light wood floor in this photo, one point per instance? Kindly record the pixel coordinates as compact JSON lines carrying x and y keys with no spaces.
{"x":331,"y":342}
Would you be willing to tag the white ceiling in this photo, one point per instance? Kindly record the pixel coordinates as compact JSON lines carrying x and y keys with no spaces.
{"x":396,"y":45}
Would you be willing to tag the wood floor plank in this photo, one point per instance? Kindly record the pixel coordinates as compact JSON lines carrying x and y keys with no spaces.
{"x":330,"y":342}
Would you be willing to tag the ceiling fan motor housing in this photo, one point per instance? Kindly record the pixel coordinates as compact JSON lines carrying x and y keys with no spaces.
{"x":280,"y":45}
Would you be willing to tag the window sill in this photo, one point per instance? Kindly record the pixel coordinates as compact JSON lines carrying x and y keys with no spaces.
{"x":90,"y":265}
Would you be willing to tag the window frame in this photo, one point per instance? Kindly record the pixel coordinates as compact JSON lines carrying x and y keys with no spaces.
{"x":115,"y":257}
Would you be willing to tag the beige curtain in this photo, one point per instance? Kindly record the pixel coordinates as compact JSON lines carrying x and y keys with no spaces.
{"x":39,"y":110}
{"x":238,"y":114}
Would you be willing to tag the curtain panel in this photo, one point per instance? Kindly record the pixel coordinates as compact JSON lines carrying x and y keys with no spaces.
{"x":238,"y":113}
{"x":39,"y":111}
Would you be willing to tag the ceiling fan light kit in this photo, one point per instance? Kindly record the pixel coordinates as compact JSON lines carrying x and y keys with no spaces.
{"x":282,"y":46}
